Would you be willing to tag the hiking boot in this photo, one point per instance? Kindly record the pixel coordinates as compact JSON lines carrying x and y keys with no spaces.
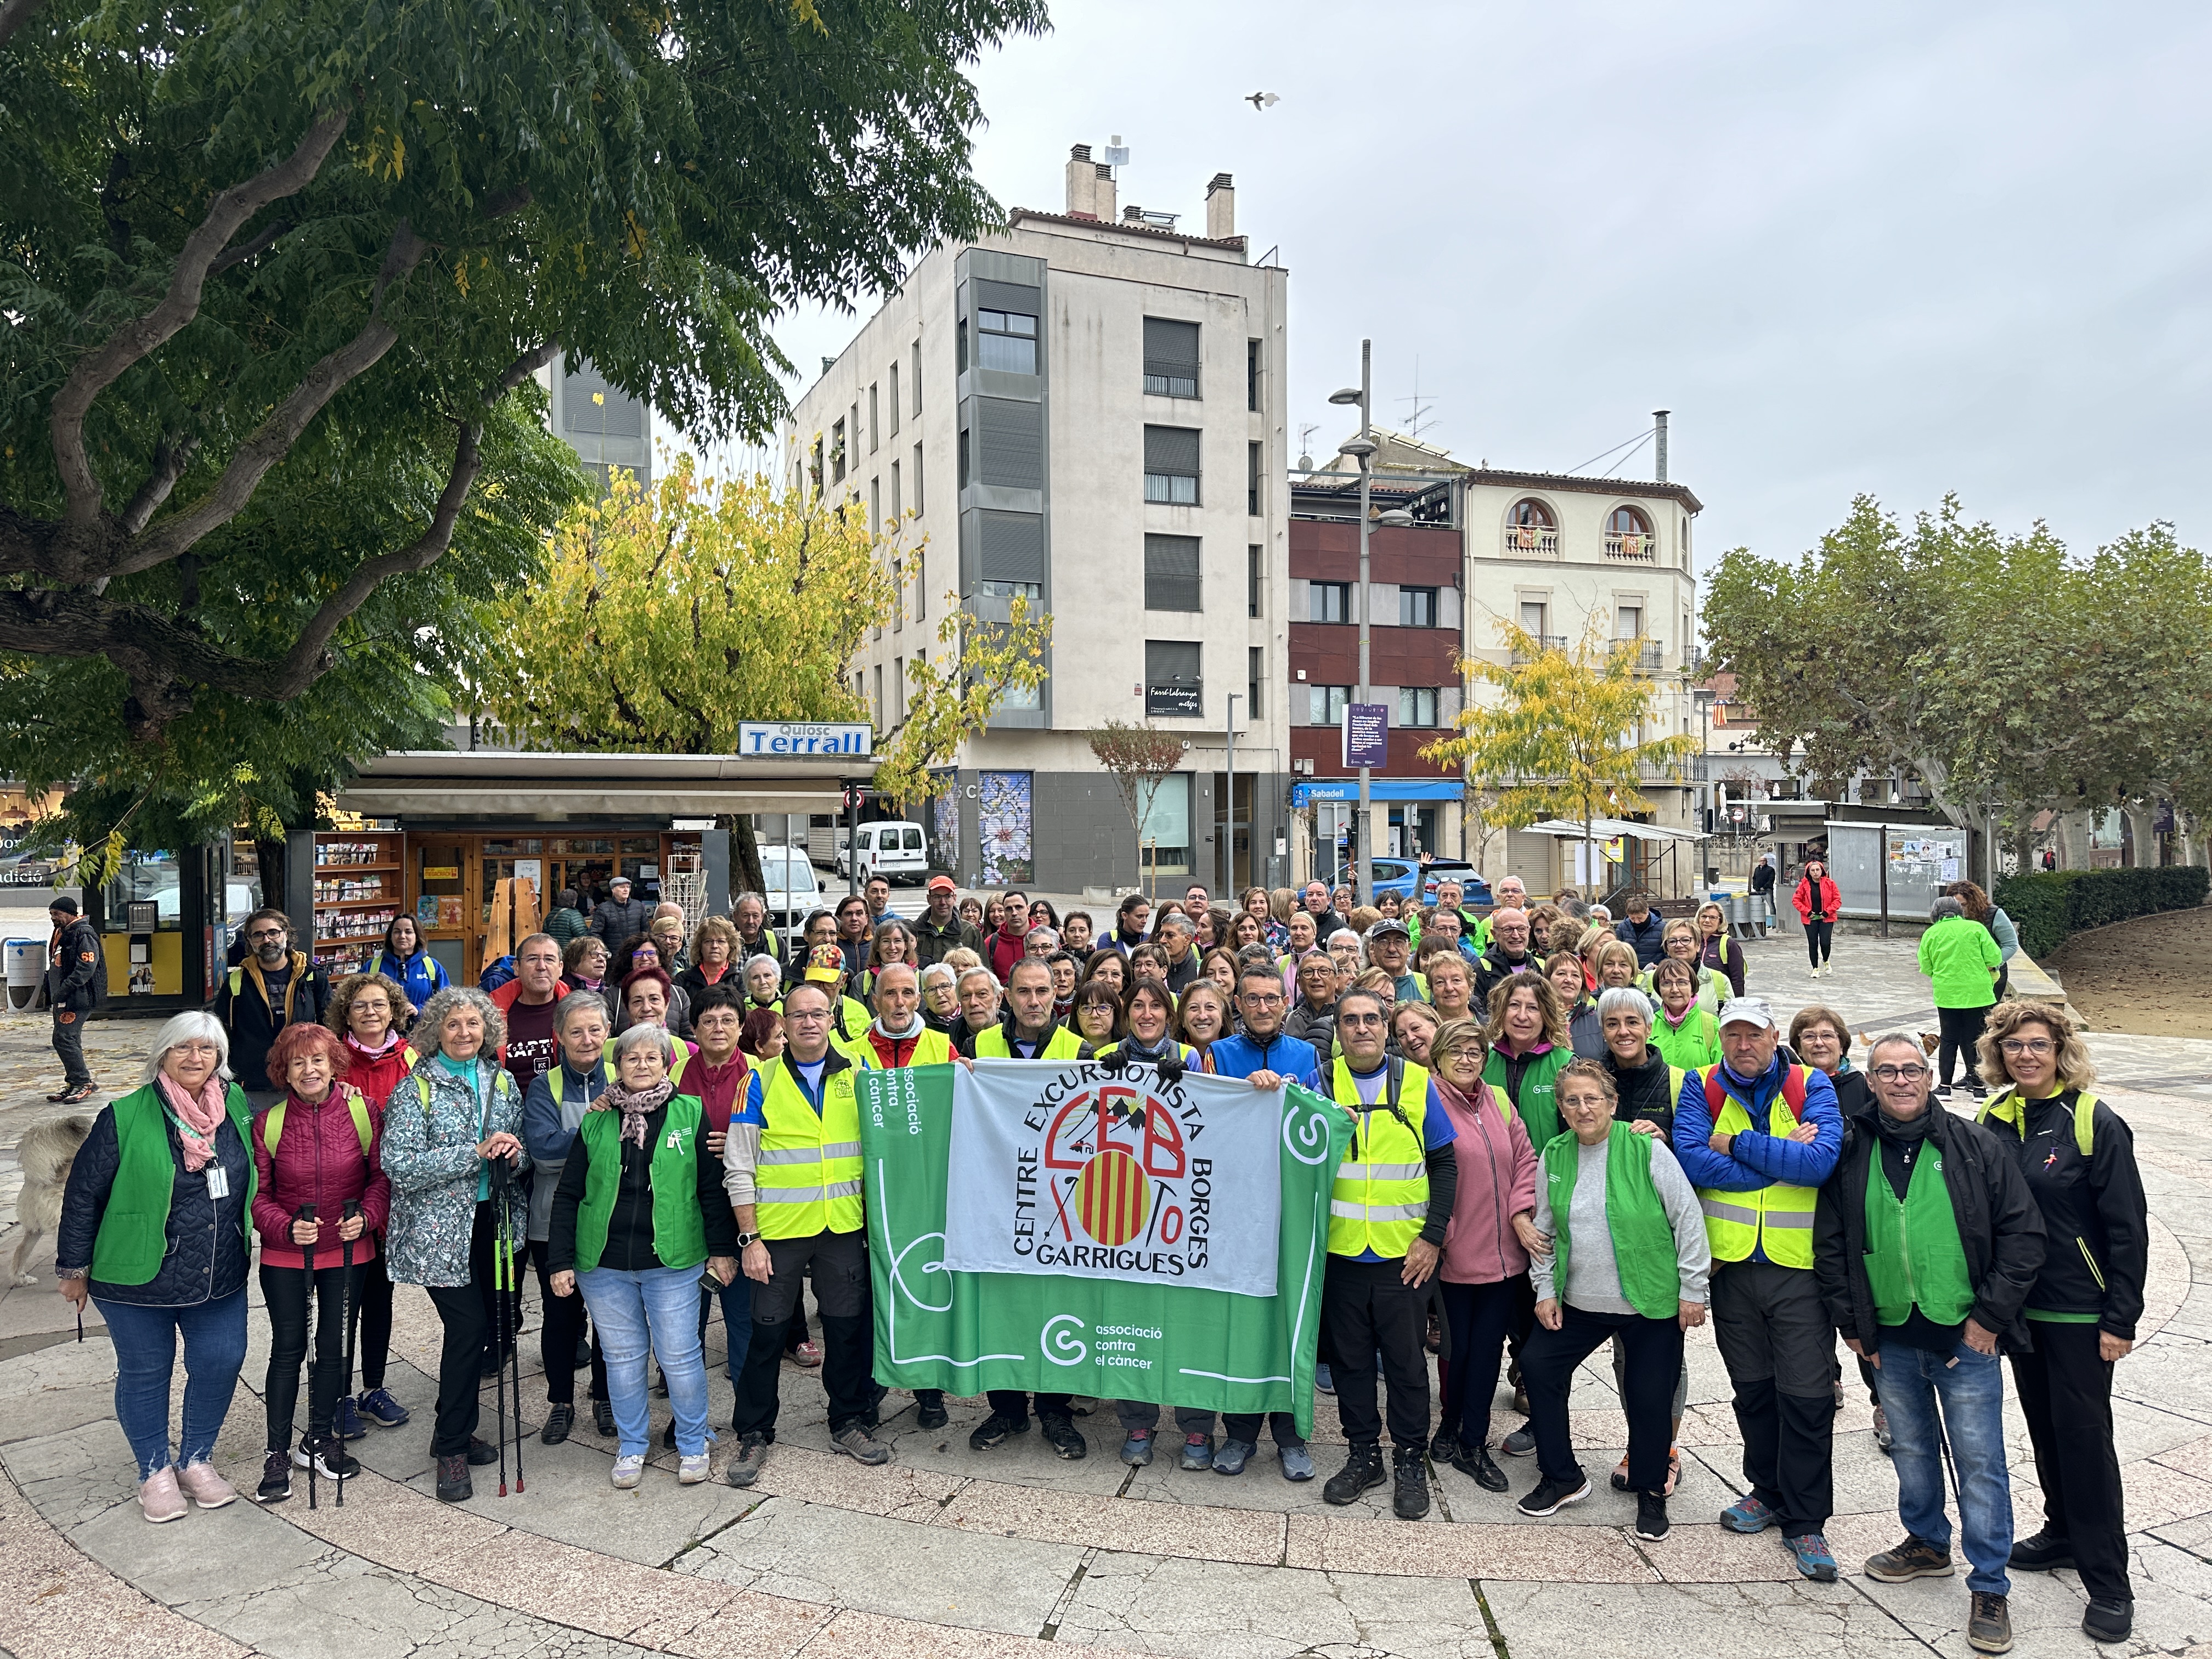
{"x":1232,"y":1456}
{"x":690,"y":1471}
{"x":993,"y":1430}
{"x":603,"y":1418}
{"x":1913,"y":1558}
{"x":1197,"y":1453}
{"x":1297,"y":1462}
{"x":857,"y":1443}
{"x":380,"y":1408}
{"x":1747,"y":1514}
{"x":159,"y":1500}
{"x":1475,"y":1463}
{"x":1988,"y":1625}
{"x":629,"y":1470}
{"x":1552,"y":1496}
{"x":205,"y":1486}
{"x":1445,"y":1447}
{"x":347,"y":1424}
{"x":559,"y":1419}
{"x":275,"y":1477}
{"x":1363,"y":1468}
{"x":2109,"y":1621}
{"x":1137,"y":1449}
{"x":482,"y":1451}
{"x":1651,"y":1523}
{"x":1409,"y":1492}
{"x":453,"y":1483}
{"x":1067,"y":1441}
{"x":328,"y":1457}
{"x":744,"y":1468}
{"x":1815,"y":1560}
{"x":2042,"y":1551}
{"x":1521,"y":1443}
{"x":929,"y":1409}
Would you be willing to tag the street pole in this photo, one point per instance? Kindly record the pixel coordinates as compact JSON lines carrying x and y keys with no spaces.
{"x":1229,"y":849}
{"x":1363,"y":869}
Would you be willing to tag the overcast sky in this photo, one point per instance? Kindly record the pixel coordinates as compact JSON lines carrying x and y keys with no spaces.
{"x":1896,"y":249}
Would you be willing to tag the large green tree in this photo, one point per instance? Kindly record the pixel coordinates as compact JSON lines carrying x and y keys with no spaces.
{"x":275,"y":279}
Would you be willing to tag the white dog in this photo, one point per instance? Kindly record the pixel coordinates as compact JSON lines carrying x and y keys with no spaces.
{"x":45,"y":1152}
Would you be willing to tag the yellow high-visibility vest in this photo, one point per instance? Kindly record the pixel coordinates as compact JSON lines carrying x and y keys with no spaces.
{"x":1380,"y":1200}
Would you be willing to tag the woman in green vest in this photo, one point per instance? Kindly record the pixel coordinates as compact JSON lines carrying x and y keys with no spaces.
{"x":1684,"y":1030}
{"x":153,"y":1229}
{"x":639,"y":1210}
{"x":1629,"y":1259}
{"x":1527,"y":1037}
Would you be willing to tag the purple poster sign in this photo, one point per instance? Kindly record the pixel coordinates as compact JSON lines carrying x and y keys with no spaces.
{"x":1366,"y":735}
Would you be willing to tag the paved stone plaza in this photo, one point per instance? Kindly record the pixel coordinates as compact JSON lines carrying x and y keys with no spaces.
{"x":949,"y":1551}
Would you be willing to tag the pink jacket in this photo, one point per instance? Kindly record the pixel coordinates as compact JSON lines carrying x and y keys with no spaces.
{"x":319,"y":1161}
{"x":1497,"y":1181}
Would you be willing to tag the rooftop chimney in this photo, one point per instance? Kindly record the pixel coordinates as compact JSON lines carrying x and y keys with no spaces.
{"x":1081,"y":201}
{"x":1220,"y":208}
{"x":1659,"y":444}
{"x":1103,"y":202}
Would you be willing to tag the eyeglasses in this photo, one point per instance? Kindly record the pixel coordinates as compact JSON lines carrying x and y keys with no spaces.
{"x":261,"y":935}
{"x":1900,"y":1073}
{"x":2017,"y":1046}
{"x":1261,"y":1000}
{"x":197,"y":1046}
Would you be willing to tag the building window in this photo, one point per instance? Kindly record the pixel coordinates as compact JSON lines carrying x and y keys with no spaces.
{"x":898,"y":604}
{"x":1171,"y":572}
{"x":898,"y":510}
{"x":1252,"y":480}
{"x":814,"y":471}
{"x":1532,"y":617}
{"x":895,"y":403}
{"x":1530,"y":511}
{"x":1010,"y":554}
{"x":1170,"y":358}
{"x":1251,"y":374}
{"x":1328,"y":602}
{"x":1172,"y":684}
{"x":837,"y":453}
{"x":1256,"y":678}
{"x":1417,"y":607}
{"x":1417,"y":705}
{"x":921,"y":591}
{"x":1006,"y":341}
{"x":997,"y":588}
{"x":915,"y":376}
{"x":879,"y":693}
{"x":1252,"y":574}
{"x":1627,"y":521}
{"x":1628,"y":535}
{"x":876,"y":505}
{"x":965,"y":446}
{"x":1628,"y":621}
{"x":960,"y":346}
{"x":1171,"y":464}
{"x":917,"y":480}
{"x":1326,"y":703}
{"x":875,"y":420}
{"x":898,"y":690}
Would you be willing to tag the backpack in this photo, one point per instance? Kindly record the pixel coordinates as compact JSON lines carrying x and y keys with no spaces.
{"x":272,"y":1124}
{"x":1793,"y":1092}
{"x":497,"y":975}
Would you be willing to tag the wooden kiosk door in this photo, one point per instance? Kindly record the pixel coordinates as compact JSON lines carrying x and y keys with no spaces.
{"x":441,"y":887}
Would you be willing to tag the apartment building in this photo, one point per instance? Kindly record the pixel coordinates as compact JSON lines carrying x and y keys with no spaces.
{"x":1086,"y":410}
{"x":607,"y":428}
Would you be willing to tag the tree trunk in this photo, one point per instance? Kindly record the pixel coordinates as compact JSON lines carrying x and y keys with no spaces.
{"x":269,"y":858}
{"x":744,"y":847}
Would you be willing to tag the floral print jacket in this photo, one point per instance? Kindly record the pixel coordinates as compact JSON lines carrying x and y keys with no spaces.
{"x":431,"y":1133}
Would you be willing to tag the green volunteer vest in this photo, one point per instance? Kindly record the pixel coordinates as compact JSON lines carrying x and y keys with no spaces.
{"x":1539,"y":1114}
{"x":1643,"y":1238}
{"x":1913,"y":1253}
{"x":679,"y":1232}
{"x":134,"y":1229}
{"x":1693,"y":1044}
{"x":1380,"y":1199}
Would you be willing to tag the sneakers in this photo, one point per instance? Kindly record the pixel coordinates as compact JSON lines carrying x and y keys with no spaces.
{"x":1233,"y":1457}
{"x":1912,"y":1559}
{"x":1444,"y":1448}
{"x":159,"y":1500}
{"x":744,"y":1468}
{"x":1883,"y":1438}
{"x":328,"y":1457}
{"x":808,"y":1354}
{"x":453,"y":1483}
{"x":692,"y":1470}
{"x":857,"y":1443}
{"x":1475,"y":1463}
{"x":629,"y":1470}
{"x":559,"y":1419}
{"x":77,"y":1097}
{"x":207,"y":1489}
{"x":1197,"y":1453}
{"x":1651,"y":1523}
{"x":1989,"y":1623}
{"x":993,"y":1430}
{"x":1363,"y":1468}
{"x":1324,"y":1379}
{"x":2109,"y":1621}
{"x":2042,"y":1551}
{"x":1297,"y":1462}
{"x":929,"y":1409}
{"x":275,"y":1477}
{"x":1552,"y":1496}
{"x":603,"y":1418}
{"x":1409,"y":1475}
{"x":1137,"y":1449}
{"x":380,"y":1408}
{"x":1521,"y":1443}
{"x":1068,"y":1441}
{"x":1815,"y":1560}
{"x":1747,"y":1514}
{"x":482,"y":1452}
{"x":347,"y":1425}
{"x":1941,"y":1091}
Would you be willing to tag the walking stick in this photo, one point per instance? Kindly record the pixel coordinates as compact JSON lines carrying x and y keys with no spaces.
{"x":345,"y":1324}
{"x":307,"y":1214}
{"x":499,"y":1177}
{"x":514,"y":1356}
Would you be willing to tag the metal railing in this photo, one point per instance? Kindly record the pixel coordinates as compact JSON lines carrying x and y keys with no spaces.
{"x":1651,"y":655}
{"x":1632,"y":548}
{"x":1544,"y":643}
{"x":1531,"y":541}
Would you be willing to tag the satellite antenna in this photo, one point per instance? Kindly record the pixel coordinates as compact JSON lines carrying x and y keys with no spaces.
{"x":1117,"y":153}
{"x":1418,"y":417}
{"x":1305,"y":445}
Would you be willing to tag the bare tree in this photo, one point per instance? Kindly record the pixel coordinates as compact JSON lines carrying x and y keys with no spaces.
{"x":1138,"y":756}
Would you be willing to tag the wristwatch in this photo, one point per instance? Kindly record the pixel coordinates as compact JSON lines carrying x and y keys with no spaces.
{"x":745,"y":1239}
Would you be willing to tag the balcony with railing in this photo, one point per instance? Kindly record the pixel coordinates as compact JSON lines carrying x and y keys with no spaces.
{"x":1631,"y":548}
{"x":1651,"y":655}
{"x":1539,"y":643}
{"x":1531,"y":541}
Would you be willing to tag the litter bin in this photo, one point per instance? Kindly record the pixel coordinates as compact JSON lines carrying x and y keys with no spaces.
{"x":26,"y":966}
{"x":1712,"y":875}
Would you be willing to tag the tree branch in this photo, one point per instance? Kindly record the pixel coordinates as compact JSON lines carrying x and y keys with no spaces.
{"x":244,"y":251}
{"x":170,"y":460}
{"x":135,"y":340}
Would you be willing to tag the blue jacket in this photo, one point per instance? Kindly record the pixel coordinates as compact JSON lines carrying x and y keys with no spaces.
{"x":421,"y":975}
{"x":1649,"y":940}
{"x":1240,"y":1056}
{"x":1757,"y":1158}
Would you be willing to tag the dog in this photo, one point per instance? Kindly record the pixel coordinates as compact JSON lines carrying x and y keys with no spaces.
{"x":47,"y":1150}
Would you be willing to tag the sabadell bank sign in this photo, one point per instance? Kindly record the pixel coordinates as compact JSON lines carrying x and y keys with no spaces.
{"x":825,"y":738}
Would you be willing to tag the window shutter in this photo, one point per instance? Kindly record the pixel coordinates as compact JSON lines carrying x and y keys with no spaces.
{"x":1170,"y":348}
{"x":1010,"y":547}
{"x":1007,"y":296}
{"x":1171,"y":449}
{"x":1171,"y":662}
{"x":1171,"y":572}
{"x":1010,"y":447}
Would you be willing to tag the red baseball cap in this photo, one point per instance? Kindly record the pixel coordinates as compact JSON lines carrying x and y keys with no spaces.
{"x":940,"y":884}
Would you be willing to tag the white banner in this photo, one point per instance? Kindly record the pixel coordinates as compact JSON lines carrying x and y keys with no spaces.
{"x":1063,"y":1170}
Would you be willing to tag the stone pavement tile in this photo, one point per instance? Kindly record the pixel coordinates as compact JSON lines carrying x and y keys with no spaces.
{"x":559,"y":1582}
{"x":56,"y":1411}
{"x":1089,"y":1521}
{"x":1024,"y":1460}
{"x":57,"y":1604}
{"x":386,"y":1523}
{"x":894,"y":1491}
{"x":1261,"y":1486}
{"x":73,"y":1475}
{"x":2169,"y":1374}
{"x":1752,"y":1620}
{"x":855,"y":1634}
{"x":747,"y":1625}
{"x":2173,"y":1598}
{"x":65,"y":1365}
{"x":2046,"y":1610}
{"x":1552,"y":1551}
{"x":805,"y":1552}
{"x":2189,"y":1456}
{"x":241,"y":1548}
{"x":1166,"y":1605}
{"x":2157,"y":1494}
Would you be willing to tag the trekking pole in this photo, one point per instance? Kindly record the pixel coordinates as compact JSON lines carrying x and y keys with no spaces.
{"x":345,"y":1324}
{"x":499,"y":1303}
{"x":307,"y":1214}
{"x":514,"y":1289}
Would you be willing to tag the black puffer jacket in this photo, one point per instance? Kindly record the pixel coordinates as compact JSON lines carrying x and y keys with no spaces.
{"x":2099,"y":1250}
{"x":1648,"y":1091}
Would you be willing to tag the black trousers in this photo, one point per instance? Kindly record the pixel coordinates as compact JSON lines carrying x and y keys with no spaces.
{"x":1654,"y":1363}
{"x":465,"y":1311}
{"x":2066,"y":1395}
{"x":285,"y":1290}
{"x":1775,"y":1337}
{"x":1961,"y":1029}
{"x":1013,"y":1405}
{"x":838,"y":1264}
{"x":1817,"y":937}
{"x":69,"y":1043}
{"x":563,"y":1328}
{"x":1481,"y":1317}
{"x":1366,"y":1307}
{"x":372,"y":1323}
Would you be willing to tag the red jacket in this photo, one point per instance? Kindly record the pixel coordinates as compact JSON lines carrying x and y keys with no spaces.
{"x":1830,"y":899}
{"x":1003,"y":949}
{"x":376,"y":1075}
{"x":319,"y":1162}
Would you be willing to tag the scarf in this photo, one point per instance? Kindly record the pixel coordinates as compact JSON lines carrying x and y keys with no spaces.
{"x":912,"y":1028}
{"x":390,"y":1041}
{"x":634,"y":1107}
{"x":198,"y":1116}
{"x":1904,"y":1133}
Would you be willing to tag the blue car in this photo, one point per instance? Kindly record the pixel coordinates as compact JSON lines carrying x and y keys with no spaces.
{"x":1399,"y":876}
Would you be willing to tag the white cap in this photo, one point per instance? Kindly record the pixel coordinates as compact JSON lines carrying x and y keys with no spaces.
{"x":1747,"y":1011}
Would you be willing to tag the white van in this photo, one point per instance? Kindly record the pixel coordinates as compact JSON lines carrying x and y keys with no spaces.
{"x":792,"y":891}
{"x":893,"y":850}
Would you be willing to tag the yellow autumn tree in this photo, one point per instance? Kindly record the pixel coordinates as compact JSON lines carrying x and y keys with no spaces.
{"x":1559,"y":740}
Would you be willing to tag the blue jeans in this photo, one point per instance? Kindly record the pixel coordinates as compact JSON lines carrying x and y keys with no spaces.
{"x":1971,"y":1388}
{"x":145,"y":1358}
{"x":736,"y":1300}
{"x":658,"y":1307}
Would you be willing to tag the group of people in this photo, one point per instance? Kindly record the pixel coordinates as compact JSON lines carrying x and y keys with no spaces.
{"x":1566,"y":1133}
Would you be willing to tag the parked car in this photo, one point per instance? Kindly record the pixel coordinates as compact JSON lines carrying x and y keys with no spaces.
{"x":792,"y":888}
{"x":894,"y":850}
{"x":1399,"y":876}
